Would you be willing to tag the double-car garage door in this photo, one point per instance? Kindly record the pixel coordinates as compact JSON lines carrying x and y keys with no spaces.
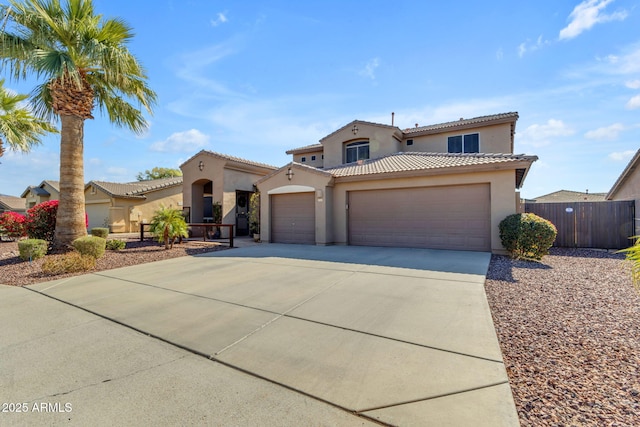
{"x":448,"y":217}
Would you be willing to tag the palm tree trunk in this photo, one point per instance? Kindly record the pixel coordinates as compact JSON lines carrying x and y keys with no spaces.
{"x":70,"y":221}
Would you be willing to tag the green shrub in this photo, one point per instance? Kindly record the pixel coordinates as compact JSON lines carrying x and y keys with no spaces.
{"x":100,"y":232}
{"x":31,"y":249}
{"x":633,"y":256}
{"x":90,"y":245}
{"x":115,"y":244}
{"x":527,"y":236}
{"x":41,"y":221}
{"x":71,"y":262}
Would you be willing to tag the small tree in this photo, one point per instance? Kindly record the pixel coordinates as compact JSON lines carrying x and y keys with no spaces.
{"x":167,"y":225}
{"x":13,"y":225}
{"x":254,"y":213}
{"x":158,"y":173}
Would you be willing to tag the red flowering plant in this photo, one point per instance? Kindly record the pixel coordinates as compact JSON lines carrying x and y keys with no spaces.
{"x":13,"y":225}
{"x":41,"y":221}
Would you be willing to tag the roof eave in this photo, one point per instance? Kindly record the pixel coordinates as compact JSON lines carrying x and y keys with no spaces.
{"x":631,"y":166}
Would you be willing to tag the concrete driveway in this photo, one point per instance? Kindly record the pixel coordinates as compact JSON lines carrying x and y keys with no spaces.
{"x":296,"y":335}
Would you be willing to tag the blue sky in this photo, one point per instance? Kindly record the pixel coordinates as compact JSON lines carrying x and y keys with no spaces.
{"x":256,"y":78}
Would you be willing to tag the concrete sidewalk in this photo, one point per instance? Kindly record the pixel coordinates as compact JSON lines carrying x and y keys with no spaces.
{"x":398,"y":336}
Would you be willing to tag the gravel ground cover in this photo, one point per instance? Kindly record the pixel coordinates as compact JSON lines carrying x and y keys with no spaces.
{"x":569,"y":328}
{"x":14,"y":271}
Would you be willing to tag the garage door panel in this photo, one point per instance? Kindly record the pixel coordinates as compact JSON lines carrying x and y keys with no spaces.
{"x":450,"y":217}
{"x":293,"y":218}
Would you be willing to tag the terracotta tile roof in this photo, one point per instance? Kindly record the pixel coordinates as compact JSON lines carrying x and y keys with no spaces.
{"x":404,"y":162}
{"x":502,"y":117}
{"x":306,"y":148}
{"x":12,"y":203}
{"x":231,"y":159}
{"x":567,"y":196}
{"x":136,"y":189}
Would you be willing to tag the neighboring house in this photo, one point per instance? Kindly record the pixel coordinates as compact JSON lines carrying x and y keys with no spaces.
{"x":47,"y":190}
{"x":445,"y":186}
{"x":210,"y":178}
{"x":627,"y":186}
{"x":121,"y":207}
{"x":12,"y":204}
{"x":567,"y":196}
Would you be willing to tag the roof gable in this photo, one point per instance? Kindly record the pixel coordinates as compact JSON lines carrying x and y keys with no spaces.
{"x":236,"y":161}
{"x":626,"y":174}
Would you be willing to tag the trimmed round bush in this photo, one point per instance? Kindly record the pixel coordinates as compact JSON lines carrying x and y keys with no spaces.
{"x":100,"y":232}
{"x":90,"y":245}
{"x":71,"y":262}
{"x":115,"y":244}
{"x":527,"y":236}
{"x":31,"y":249}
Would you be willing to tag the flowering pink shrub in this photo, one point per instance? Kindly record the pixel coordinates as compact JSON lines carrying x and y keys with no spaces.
{"x":12,"y":225}
{"x":41,"y":221}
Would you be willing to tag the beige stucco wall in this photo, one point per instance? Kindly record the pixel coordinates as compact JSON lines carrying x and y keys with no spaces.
{"x":493,"y":139}
{"x":630,"y":190}
{"x":32,"y":199}
{"x":381,"y":142}
{"x":331,"y":212}
{"x":302,"y":181}
{"x":123,"y":215}
{"x":317,"y":163}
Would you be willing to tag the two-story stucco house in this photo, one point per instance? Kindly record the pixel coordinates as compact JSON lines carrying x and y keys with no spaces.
{"x":444,"y":186}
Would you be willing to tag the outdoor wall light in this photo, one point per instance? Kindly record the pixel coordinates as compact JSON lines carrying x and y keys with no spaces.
{"x":289,"y":174}
{"x":201,"y":165}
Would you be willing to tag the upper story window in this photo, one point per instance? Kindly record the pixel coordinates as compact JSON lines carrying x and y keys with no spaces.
{"x":356,"y":151}
{"x":464,"y":143}
{"x":313,"y":158}
{"x":303,"y":159}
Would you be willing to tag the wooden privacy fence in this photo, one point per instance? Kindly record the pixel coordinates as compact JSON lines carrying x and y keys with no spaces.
{"x":604,"y":225}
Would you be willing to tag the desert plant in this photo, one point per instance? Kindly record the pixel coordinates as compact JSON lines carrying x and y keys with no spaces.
{"x":527,"y":236}
{"x":13,"y":225}
{"x":633,"y":256}
{"x":100,"y":232}
{"x":90,"y":245}
{"x":254,"y":213}
{"x":71,"y":262}
{"x":115,"y":244}
{"x":31,"y":249}
{"x":41,"y":221}
{"x":167,"y":225}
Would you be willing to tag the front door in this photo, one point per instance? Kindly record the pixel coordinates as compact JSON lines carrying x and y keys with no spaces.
{"x":242,"y":213}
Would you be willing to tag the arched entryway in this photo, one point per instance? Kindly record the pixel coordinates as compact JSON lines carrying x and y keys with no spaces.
{"x":201,"y":201}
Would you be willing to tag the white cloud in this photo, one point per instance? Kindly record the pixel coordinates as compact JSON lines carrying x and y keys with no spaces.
{"x":526,"y":46}
{"x":620,"y":156}
{"x":221,"y":18}
{"x":188,"y":141}
{"x":499,"y":54}
{"x":540,"y":135}
{"x":633,"y":103}
{"x":370,"y":69}
{"x":586,"y":15}
{"x":608,"y":133}
{"x":633,"y":84}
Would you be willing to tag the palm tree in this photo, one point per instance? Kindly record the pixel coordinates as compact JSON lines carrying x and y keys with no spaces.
{"x":19,"y":128}
{"x":168,"y":225}
{"x":83,"y":61}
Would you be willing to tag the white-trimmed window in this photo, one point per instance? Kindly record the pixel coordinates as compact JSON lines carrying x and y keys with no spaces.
{"x":464,"y":143}
{"x":355,"y":151}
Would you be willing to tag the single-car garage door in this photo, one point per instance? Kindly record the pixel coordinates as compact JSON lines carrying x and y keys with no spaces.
{"x":448,"y":217}
{"x":293,"y":218}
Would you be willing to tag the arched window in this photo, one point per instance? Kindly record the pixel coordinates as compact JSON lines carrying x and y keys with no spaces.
{"x":355,"y":151}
